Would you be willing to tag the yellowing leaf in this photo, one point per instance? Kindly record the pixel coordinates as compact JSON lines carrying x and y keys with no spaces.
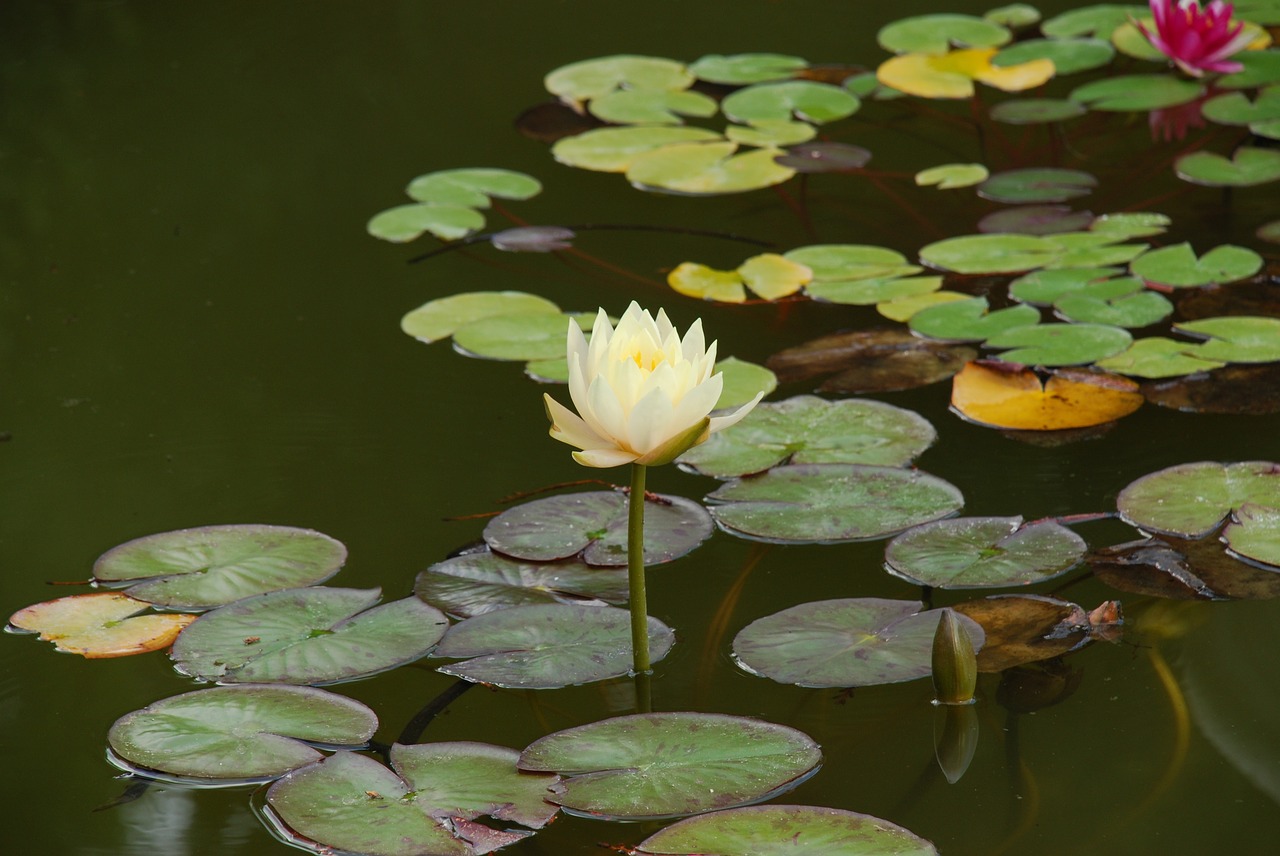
{"x":951,"y":75}
{"x":1016,"y":78}
{"x":772,"y":276}
{"x":950,"y":176}
{"x":1004,"y":396}
{"x":695,"y":280}
{"x":99,"y":625}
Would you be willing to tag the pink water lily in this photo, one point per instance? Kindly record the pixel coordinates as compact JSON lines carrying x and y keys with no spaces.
{"x":1197,"y":39}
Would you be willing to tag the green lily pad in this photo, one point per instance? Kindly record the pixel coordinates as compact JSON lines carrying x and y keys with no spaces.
{"x":1235,"y":108}
{"x":1158,"y":357}
{"x":905,"y":308}
{"x":593,"y":78}
{"x":1130,"y":41}
{"x":475,"y":583}
{"x":747,"y":68}
{"x":828,"y":503}
{"x":100,"y":624}
{"x":807,"y":100}
{"x":1269,"y":129}
{"x":1137,"y":93}
{"x":1133,"y":309}
{"x":844,"y":262}
{"x":935,"y":34}
{"x":970,"y":321}
{"x":547,"y":646}
{"x":1264,"y":12}
{"x":1236,"y":339}
{"x":990,"y":253}
{"x":785,"y":830}
{"x":651,"y":106}
{"x":1176,"y":266}
{"x":771,"y":135}
{"x":1098,"y":20}
{"x":215,"y":565}
{"x":239,"y":734}
{"x":659,"y":765}
{"x":442,"y":317}
{"x":952,"y":175}
{"x":472,"y":188}
{"x":407,"y":222}
{"x":877,"y":360}
{"x":1260,"y":69}
{"x":1060,"y":344}
{"x":981,"y":552}
{"x":1255,"y":533}
{"x":307,"y":636}
{"x":1036,"y":111}
{"x":742,"y":382}
{"x":1046,"y":287}
{"x":852,"y":642}
{"x":1131,"y":224}
{"x":615,"y":149}
{"x":1190,"y":500}
{"x":1014,"y":15}
{"x":710,"y":168}
{"x":1069,"y":56}
{"x":1037,"y":185}
{"x":868,"y":292}
{"x":534,"y":334}
{"x":1269,"y":232}
{"x":810,"y":430}
{"x":1248,"y":166}
{"x":595,"y":524}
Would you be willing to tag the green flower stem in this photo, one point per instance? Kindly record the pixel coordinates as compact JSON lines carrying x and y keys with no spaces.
{"x":635,"y":572}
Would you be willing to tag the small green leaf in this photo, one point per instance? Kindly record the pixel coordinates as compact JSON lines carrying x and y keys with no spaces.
{"x":806,"y":100}
{"x":472,"y":187}
{"x":1235,"y":108}
{"x":1159,"y":357}
{"x":615,"y":149}
{"x":1095,"y":20}
{"x":406,"y":222}
{"x":1137,"y":92}
{"x":990,"y":253}
{"x":1255,"y":534}
{"x":534,"y":334}
{"x":706,"y":169}
{"x":952,"y":175}
{"x":476,"y":583}
{"x":442,"y":317}
{"x":1248,"y":166}
{"x":1190,"y":500}
{"x":1036,"y":111}
{"x":748,"y":68}
{"x":592,"y":78}
{"x":651,"y":107}
{"x":1069,"y":56}
{"x":970,"y":321}
{"x":1060,"y":344}
{"x":983,"y":552}
{"x":1236,"y":339}
{"x":743,"y":381}
{"x":935,"y":34}
{"x":1037,"y":185}
{"x":1176,"y":266}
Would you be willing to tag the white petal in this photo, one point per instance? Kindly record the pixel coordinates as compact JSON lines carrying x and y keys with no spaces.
{"x":607,"y":413}
{"x":604,"y":457}
{"x":719,"y":423}
{"x":578,"y":392}
{"x":575,"y":342}
{"x":694,"y":345}
{"x":700,"y":401}
{"x":568,"y":427}
{"x":650,"y":424}
{"x":601,"y":334}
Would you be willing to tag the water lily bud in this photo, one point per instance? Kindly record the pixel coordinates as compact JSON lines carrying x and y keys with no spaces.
{"x":643,"y":394}
{"x":955,"y":665}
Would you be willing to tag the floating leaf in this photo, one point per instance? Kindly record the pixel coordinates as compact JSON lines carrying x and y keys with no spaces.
{"x":774,"y":134}
{"x":615,"y":149}
{"x":743,"y":381}
{"x":1255,"y":533}
{"x":806,"y":100}
{"x":1059,"y":344}
{"x":843,"y":262}
{"x":1182,"y":570}
{"x":697,"y":280}
{"x":768,"y":275}
{"x":880,"y":360}
{"x":547,"y":646}
{"x":809,"y":430}
{"x":527,"y":335}
{"x":215,"y":565}
{"x":651,"y":106}
{"x":706,"y":168}
{"x":1024,"y":628}
{"x":1037,"y":185}
{"x":934,"y":34}
{"x":1248,"y":166}
{"x":472,"y":187}
{"x":533,"y":239}
{"x":254,"y":732}
{"x":853,"y":642}
{"x":747,"y":68}
{"x":952,"y":175}
{"x":1046,"y":287}
{"x":1269,"y":232}
{"x":905,"y":308}
{"x":592,"y":78}
{"x":1131,"y":224}
{"x":970,"y":321}
{"x":1006,"y":396}
{"x":595,"y":524}
{"x":785,"y":830}
{"x":1092,"y":249}
{"x":407,"y":222}
{"x":824,"y":157}
{"x":951,"y":75}
{"x":1036,"y":220}
{"x":1190,"y":500}
{"x":659,"y":765}
{"x":101,"y":624}
{"x":307,"y":636}
{"x":1235,"y":108}
{"x":990,"y":253}
{"x":1132,"y":310}
{"x":1036,"y":111}
{"x":442,"y":317}
{"x":1130,"y":41}
{"x":1158,"y":357}
{"x":1068,"y":56}
{"x":773,"y":276}
{"x":981,"y":552}
{"x":1236,"y":339}
{"x":1137,"y":92}
{"x":1014,"y":15}
{"x":476,"y":583}
{"x":1176,"y":266}
{"x":1260,"y":68}
{"x":1099,"y":20}
{"x":808,"y":503}
{"x":1249,"y":389}
{"x":868,"y":292}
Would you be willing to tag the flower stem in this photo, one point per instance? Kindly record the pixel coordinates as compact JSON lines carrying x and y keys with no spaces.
{"x":635,"y":572}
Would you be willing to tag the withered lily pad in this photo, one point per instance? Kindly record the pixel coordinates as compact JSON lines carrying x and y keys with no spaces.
{"x":1190,"y":500}
{"x":254,"y":732}
{"x":100,"y":624}
{"x":215,"y":565}
{"x":1254,"y":390}
{"x":476,"y":583}
{"x":307,"y":636}
{"x":1177,"y":266}
{"x":1255,"y":533}
{"x":1037,"y":185}
{"x":660,"y":765}
{"x":785,"y":830}
{"x":879,"y":360}
{"x":1025,"y":628}
{"x":595,"y":524}
{"x":1007,"y":395}
{"x":809,"y":430}
{"x":824,"y":157}
{"x":1236,"y":339}
{"x":807,"y":503}
{"x":547,"y":646}
{"x":1178,"y":569}
{"x":1036,"y":111}
{"x":979,"y":552}
{"x":853,"y":642}
{"x":1036,"y":220}
{"x":533,"y":239}
{"x":442,"y":317}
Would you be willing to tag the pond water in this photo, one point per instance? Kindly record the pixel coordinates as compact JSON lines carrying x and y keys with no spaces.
{"x":197,"y":330}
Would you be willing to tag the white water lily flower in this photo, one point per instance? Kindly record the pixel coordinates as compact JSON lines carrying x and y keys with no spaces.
{"x":643,"y":394}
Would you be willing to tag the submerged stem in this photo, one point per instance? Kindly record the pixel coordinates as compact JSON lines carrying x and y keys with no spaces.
{"x":635,"y":571}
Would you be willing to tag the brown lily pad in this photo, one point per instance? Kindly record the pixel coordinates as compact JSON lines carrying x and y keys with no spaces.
{"x":1252,"y":390}
{"x":1258,"y":297}
{"x":1178,"y":569}
{"x":878,"y":360}
{"x":1024,"y":628}
{"x":554,"y":120}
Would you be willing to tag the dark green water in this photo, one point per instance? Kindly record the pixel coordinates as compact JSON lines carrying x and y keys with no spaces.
{"x":194,"y":329}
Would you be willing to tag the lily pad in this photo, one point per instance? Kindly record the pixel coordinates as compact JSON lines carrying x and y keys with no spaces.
{"x":706,"y":168}
{"x":533,"y":239}
{"x":442,"y":317}
{"x":1036,"y":111}
{"x":952,"y":75}
{"x":660,"y":765}
{"x":743,"y":381}
{"x":982,"y":552}
{"x":254,"y":732}
{"x":1176,"y":266}
{"x":1260,"y":68}
{"x":1190,"y":500}
{"x":970,"y":321}
{"x":877,"y":360}
{"x":101,"y":624}
{"x":1132,"y":310}
{"x":404,"y":223}
{"x":475,"y":583}
{"x":844,"y":262}
{"x":747,"y":68}
{"x":705,"y":283}
{"x":806,"y":100}
{"x":852,"y":642}
{"x":651,"y":106}
{"x":307,"y":636}
{"x":1159,"y":357}
{"x":1249,"y":165}
{"x":1037,"y":185}
{"x":1024,"y":628}
{"x":1236,"y":339}
{"x":547,"y":646}
{"x":1046,"y":287}
{"x":1059,"y":344}
{"x":785,"y":830}
{"x":1036,"y":220}
{"x":1249,"y":390}
{"x":1132,"y":224}
{"x":827,"y":503}
{"x":772,"y":134}
{"x":1003,"y":395}
{"x":1015,"y":15}
{"x":472,"y":187}
{"x":935,"y":34}
{"x":1137,"y":93}
{"x":768,"y":275}
{"x":615,"y":149}
{"x":1255,"y":533}
{"x":824,"y":157}
{"x":905,"y":308}
{"x":1068,"y":56}
{"x":952,"y":175}
{"x":1174,"y":568}
{"x":526,"y":335}
{"x":1095,"y":20}
{"x":990,"y":253}
{"x":810,"y":430}
{"x":215,"y":565}
{"x":593,"y":78}
{"x":869,"y":292}
{"x":1235,"y":108}
{"x":595,"y":524}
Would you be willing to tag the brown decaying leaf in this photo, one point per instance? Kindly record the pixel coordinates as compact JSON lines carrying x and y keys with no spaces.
{"x":1248,"y":390}
{"x":1258,"y":297}
{"x":1177,"y":569}
{"x":1024,"y":628}
{"x":877,"y":360}
{"x":554,"y":120}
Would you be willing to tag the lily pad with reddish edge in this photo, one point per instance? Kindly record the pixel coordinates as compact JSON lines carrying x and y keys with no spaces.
{"x":1254,"y":533}
{"x":878,"y":360}
{"x":1236,"y":338}
{"x":1176,"y":266}
{"x":1024,"y":628}
{"x":971,"y":320}
{"x":595,"y":524}
{"x":1036,"y":220}
{"x":1037,"y":185}
{"x":982,"y":552}
{"x":547,"y":646}
{"x":824,"y":157}
{"x":1248,"y":166}
{"x":1036,"y":111}
{"x":1178,"y":569}
{"x":100,"y":624}
{"x":1252,"y":390}
{"x":1191,"y":500}
{"x":852,"y":642}
{"x":660,"y":765}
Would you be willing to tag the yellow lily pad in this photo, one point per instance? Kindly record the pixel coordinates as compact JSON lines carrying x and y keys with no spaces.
{"x":695,"y":280}
{"x":768,"y":275}
{"x":951,"y":75}
{"x":100,"y":625}
{"x":1002,"y":395}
